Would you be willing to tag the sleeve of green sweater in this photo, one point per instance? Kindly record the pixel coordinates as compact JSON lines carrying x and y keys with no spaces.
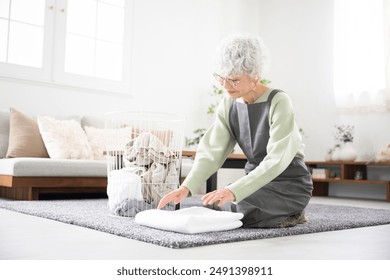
{"x":284,"y":144}
{"x":214,"y":147}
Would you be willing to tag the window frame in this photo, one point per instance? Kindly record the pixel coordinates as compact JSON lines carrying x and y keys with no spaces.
{"x":53,"y":59}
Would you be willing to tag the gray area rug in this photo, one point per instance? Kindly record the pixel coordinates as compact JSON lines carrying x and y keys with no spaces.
{"x":93,"y":213}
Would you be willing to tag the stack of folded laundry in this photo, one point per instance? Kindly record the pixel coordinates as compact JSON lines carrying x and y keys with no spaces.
{"x":190,"y":220}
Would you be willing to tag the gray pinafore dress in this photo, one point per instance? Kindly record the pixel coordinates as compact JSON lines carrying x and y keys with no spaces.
{"x":289,"y":193}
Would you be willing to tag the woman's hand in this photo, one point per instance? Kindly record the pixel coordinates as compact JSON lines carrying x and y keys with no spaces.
{"x":222,"y":196}
{"x":174,"y":196}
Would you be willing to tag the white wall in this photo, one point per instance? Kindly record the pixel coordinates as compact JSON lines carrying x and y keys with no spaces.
{"x":299,"y":36}
{"x":173,"y":55}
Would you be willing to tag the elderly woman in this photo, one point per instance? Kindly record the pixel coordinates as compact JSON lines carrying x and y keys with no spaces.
{"x":277,"y":185}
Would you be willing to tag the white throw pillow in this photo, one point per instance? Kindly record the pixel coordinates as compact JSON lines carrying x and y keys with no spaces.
{"x":103,"y":139}
{"x":64,"y":139}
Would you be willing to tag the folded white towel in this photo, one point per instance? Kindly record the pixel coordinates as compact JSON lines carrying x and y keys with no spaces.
{"x":190,"y":220}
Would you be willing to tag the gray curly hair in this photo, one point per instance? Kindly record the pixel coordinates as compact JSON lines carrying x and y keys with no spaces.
{"x":242,"y":54}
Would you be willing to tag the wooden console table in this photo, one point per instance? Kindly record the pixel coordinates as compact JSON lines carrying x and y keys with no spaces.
{"x":345,"y":172}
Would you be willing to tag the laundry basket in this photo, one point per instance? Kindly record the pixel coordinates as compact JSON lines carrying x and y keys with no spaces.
{"x":143,"y":159}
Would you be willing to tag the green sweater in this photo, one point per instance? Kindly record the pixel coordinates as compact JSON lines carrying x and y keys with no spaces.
{"x":284,"y":144}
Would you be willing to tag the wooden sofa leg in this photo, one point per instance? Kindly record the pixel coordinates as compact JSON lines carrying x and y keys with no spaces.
{"x":26,"y":193}
{"x":19,"y":193}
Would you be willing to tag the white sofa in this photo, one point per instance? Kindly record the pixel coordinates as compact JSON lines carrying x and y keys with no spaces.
{"x":27,"y":178}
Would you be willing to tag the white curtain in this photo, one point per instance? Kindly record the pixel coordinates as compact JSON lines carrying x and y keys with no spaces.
{"x":361,"y":56}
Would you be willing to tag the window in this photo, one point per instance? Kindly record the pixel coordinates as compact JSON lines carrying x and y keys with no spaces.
{"x":22,"y":30}
{"x":359,"y":56}
{"x":68,"y":42}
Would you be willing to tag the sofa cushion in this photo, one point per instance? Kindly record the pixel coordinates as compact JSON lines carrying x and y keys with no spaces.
{"x":47,"y":167}
{"x":24,"y":137}
{"x":64,"y":139}
{"x":94,"y":121}
{"x":4,"y":132}
{"x":103,"y":139}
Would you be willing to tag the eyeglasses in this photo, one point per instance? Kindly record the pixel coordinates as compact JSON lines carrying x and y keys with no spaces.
{"x":222,"y":80}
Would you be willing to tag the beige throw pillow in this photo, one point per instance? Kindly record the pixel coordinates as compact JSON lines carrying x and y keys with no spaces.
{"x":4,"y":132}
{"x":24,"y":137}
{"x":64,"y":139}
{"x":103,"y":139}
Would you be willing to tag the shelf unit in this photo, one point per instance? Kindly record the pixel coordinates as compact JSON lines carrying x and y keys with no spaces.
{"x":345,"y":172}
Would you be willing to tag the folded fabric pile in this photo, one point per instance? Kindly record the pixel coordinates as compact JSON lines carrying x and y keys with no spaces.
{"x":190,"y":220}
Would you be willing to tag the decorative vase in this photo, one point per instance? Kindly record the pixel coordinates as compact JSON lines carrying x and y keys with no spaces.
{"x":348,"y":152}
{"x":336,"y":154}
